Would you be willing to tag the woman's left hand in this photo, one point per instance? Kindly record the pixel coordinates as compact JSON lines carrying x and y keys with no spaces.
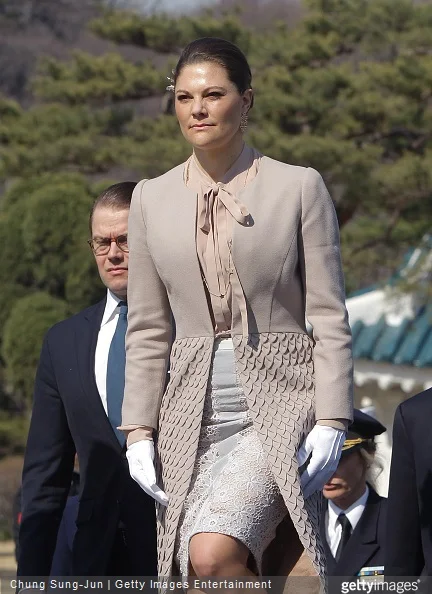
{"x":323,"y":446}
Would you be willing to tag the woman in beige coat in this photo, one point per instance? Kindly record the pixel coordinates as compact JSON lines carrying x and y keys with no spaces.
{"x":241,"y":248}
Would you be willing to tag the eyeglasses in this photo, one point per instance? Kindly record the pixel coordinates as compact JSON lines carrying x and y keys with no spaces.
{"x":102,"y":245}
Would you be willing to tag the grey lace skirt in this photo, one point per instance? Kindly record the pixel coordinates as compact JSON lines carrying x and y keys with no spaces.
{"x":232,"y":490}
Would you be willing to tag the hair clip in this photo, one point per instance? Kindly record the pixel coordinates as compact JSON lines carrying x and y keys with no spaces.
{"x":170,"y":87}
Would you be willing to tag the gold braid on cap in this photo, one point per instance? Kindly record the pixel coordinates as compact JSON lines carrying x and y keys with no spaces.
{"x":350,"y":443}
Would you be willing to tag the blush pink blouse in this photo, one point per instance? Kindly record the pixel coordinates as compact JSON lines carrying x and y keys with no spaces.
{"x":218,"y":210}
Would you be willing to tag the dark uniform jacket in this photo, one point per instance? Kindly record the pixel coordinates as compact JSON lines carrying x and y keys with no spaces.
{"x":409,"y":517}
{"x":365,"y":548}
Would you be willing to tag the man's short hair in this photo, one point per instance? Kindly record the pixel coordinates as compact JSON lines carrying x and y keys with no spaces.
{"x":117,"y":197}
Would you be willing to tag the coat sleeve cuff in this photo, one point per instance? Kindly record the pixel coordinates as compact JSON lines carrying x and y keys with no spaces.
{"x":136,"y":433}
{"x":341,"y":424}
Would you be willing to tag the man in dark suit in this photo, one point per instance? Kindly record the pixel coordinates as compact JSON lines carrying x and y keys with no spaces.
{"x":409,"y":515}
{"x":353,"y":519}
{"x":62,"y":558}
{"x":77,"y":407}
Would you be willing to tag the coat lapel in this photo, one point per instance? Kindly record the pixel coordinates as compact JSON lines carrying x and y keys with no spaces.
{"x":86,"y":335}
{"x":250,"y":241}
{"x":176,"y":248}
{"x":363,"y":542}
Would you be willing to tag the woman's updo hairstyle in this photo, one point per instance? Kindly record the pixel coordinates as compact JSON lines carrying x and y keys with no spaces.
{"x":219,"y":51}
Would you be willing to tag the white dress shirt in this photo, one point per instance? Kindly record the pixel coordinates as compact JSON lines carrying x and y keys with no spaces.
{"x":353,"y":513}
{"x":105,"y":336}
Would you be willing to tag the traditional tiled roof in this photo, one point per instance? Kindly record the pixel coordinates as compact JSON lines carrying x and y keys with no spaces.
{"x":390,"y":327}
{"x":408,"y":343}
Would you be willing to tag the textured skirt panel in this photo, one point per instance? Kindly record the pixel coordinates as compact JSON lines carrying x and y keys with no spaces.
{"x":178,"y":434}
{"x":276,"y":376}
{"x":233,"y":491}
{"x":276,"y":372}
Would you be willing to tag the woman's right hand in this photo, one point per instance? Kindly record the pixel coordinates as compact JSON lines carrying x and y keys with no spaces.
{"x":140,"y":456}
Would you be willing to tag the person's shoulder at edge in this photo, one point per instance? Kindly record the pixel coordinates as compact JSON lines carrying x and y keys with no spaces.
{"x":164,"y":177}
{"x":61,"y":328}
{"x":305,"y":180}
{"x":417,"y":404}
{"x":282,"y":167}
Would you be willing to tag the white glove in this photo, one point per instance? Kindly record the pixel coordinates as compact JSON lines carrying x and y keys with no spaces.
{"x":324,"y":446}
{"x":140,"y":456}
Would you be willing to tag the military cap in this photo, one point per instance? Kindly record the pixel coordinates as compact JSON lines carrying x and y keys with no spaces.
{"x":362,"y":430}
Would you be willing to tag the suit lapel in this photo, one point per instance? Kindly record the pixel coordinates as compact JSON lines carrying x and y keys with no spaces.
{"x":86,"y":335}
{"x":363,"y":541}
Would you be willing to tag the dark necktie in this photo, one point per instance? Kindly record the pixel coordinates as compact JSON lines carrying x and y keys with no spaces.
{"x":346,"y":533}
{"x":115,"y":380}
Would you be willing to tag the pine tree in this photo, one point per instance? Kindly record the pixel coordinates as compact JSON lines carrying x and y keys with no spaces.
{"x":347,"y":92}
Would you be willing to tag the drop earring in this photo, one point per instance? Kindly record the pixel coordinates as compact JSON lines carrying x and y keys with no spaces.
{"x":244,"y":122}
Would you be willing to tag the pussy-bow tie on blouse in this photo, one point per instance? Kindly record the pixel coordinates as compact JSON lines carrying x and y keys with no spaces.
{"x":216,"y":202}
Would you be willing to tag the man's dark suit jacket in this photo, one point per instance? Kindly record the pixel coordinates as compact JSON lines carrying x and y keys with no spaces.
{"x":409,"y":521}
{"x":62,"y":559}
{"x":116,"y":519}
{"x":365,"y":547}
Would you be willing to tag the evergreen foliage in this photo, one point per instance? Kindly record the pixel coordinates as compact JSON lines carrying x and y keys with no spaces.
{"x":93,"y":80}
{"x":165,"y":34}
{"x":347,"y":92}
{"x":28,"y":321}
{"x":48,"y":270}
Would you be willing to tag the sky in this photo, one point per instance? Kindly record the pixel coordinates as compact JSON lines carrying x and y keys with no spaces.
{"x":169,"y":6}
{"x":185,"y":5}
{"x":177,"y":6}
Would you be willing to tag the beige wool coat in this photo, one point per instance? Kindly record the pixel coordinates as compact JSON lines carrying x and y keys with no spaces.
{"x":288,"y":261}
